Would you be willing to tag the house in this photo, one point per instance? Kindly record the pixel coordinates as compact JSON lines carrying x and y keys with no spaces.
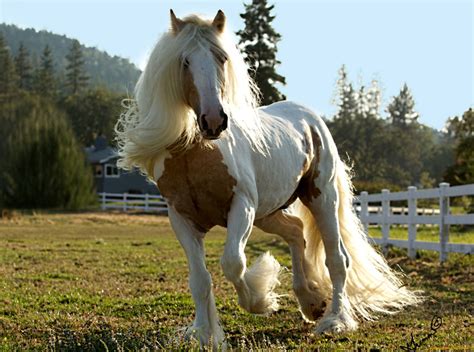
{"x":109,"y":178}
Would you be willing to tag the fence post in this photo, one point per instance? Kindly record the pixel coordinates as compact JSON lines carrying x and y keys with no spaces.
{"x":364,"y":211}
{"x":103,"y":201}
{"x":385,"y":214}
{"x":146,"y":202}
{"x":125,"y":202}
{"x":412,"y":213}
{"x":443,"y":227}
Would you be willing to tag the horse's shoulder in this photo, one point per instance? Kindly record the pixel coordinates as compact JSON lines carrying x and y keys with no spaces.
{"x":197,"y":183}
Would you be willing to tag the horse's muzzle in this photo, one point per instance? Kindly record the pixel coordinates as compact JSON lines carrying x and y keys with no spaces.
{"x":213,"y":125}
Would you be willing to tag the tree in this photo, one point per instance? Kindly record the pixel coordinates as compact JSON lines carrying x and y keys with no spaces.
{"x":76,"y":78}
{"x":401,"y":109}
{"x":407,"y":147}
{"x":23,"y":68}
{"x":357,"y":128}
{"x":411,"y":143}
{"x":8,"y":76}
{"x":45,"y":81}
{"x":387,"y":152}
{"x":345,"y":97}
{"x":259,"y":45}
{"x":438,"y":155}
{"x":369,"y":101}
{"x":91,"y":112}
{"x":462,"y":130}
{"x":46,"y":166}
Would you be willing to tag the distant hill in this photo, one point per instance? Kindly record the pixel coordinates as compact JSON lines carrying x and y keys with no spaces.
{"x":115,"y":73}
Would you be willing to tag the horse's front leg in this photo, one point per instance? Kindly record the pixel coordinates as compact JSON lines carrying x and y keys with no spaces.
{"x":206,"y":326}
{"x":254,"y":285}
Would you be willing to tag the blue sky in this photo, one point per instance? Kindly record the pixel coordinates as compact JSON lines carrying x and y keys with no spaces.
{"x":428,"y":44}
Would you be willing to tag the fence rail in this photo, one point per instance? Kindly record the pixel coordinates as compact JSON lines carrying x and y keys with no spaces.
{"x":383,"y":215}
{"x":127,"y":201}
{"x":443,"y":218}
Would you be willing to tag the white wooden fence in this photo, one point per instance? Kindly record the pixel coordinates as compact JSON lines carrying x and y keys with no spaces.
{"x":383,"y":215}
{"x":443,"y":218}
{"x":128,"y":201}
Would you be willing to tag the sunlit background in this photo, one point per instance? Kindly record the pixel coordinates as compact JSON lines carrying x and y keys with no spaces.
{"x":427,"y":44}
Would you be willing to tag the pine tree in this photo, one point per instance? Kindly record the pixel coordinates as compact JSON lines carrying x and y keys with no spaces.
{"x":401,"y":110}
{"x":76,"y":78}
{"x":46,"y":166}
{"x":23,"y":68}
{"x":8,"y":76}
{"x":45,"y":81}
{"x":357,"y":128}
{"x":407,"y":139}
{"x":259,"y":45}
{"x":374,"y":99}
{"x":346,"y":97}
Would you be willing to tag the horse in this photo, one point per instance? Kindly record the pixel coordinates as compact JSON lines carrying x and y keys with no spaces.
{"x":194,"y":127}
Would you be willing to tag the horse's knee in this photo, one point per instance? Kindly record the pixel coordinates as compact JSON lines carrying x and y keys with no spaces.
{"x":200,"y":285}
{"x":233,"y":266}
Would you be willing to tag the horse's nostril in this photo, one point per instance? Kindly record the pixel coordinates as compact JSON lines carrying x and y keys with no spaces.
{"x":223,"y":114}
{"x":225,"y":118}
{"x":204,"y":124}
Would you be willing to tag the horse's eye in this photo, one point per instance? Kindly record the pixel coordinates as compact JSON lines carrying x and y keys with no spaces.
{"x":223,"y":59}
{"x":185,"y":63}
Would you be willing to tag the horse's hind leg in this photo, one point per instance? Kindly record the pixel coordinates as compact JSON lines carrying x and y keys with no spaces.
{"x":290,"y":228}
{"x":253,"y":285}
{"x":339,"y":316}
{"x":206,"y":325}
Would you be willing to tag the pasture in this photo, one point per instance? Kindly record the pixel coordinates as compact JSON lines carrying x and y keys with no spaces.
{"x":98,"y":281}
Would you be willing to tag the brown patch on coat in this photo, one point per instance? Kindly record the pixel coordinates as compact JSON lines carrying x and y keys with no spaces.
{"x":198,"y":185}
{"x":307,"y":190}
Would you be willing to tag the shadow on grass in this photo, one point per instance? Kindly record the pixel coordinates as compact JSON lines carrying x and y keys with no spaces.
{"x":447,"y":287}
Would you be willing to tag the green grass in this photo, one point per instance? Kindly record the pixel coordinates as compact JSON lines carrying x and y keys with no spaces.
{"x":75,"y":282}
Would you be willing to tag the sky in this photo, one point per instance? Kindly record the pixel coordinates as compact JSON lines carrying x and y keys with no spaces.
{"x":426,"y":43}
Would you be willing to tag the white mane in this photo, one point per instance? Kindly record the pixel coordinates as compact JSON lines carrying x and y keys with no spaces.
{"x":158,"y":118}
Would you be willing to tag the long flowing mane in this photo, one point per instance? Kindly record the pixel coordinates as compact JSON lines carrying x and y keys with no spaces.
{"x":158,"y":118}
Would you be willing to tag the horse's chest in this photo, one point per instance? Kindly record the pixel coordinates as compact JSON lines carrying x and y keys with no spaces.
{"x":198,"y":185}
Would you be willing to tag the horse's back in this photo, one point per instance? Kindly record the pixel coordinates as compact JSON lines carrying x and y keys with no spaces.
{"x":301,"y":118}
{"x":292,"y":136}
{"x":291,"y":111}
{"x":302,"y":153}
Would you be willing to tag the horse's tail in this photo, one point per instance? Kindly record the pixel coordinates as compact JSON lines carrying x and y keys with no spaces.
{"x":371,"y":286}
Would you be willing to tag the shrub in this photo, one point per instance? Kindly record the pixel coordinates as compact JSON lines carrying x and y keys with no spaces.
{"x":45,"y":166}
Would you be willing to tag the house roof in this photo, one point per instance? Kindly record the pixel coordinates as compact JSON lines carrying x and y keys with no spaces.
{"x":100,"y":156}
{"x":100,"y":152}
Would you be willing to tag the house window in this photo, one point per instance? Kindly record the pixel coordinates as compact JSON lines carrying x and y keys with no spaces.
{"x":111,"y":170}
{"x":98,"y":171}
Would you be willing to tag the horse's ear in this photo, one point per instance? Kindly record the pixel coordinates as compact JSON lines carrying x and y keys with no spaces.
{"x":219,"y":21}
{"x":176,"y":24}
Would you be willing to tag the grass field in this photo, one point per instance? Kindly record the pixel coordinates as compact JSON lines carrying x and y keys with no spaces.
{"x":98,"y":282}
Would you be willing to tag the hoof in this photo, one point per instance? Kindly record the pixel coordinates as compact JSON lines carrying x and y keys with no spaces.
{"x":317,"y":312}
{"x":336,"y":323}
{"x":207,"y":338}
{"x":312,"y":305}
